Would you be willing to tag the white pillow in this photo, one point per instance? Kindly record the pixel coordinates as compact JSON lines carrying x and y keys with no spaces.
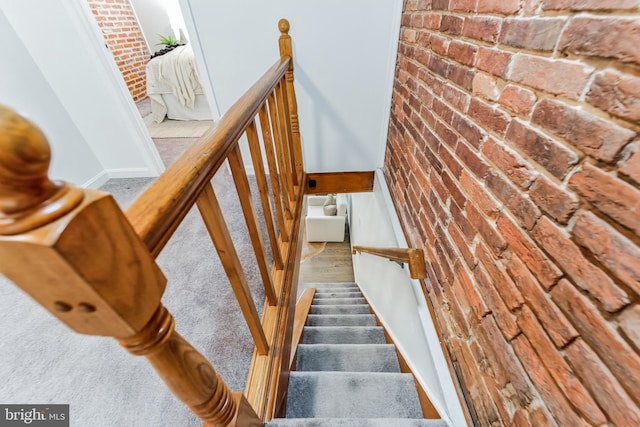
{"x":330,"y":210}
{"x":331,"y":200}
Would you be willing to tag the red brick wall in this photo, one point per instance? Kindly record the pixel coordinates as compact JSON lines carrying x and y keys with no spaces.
{"x":124,"y":37}
{"x":513,"y":159}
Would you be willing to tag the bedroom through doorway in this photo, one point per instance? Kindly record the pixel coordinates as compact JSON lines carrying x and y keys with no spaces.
{"x":150,"y":45}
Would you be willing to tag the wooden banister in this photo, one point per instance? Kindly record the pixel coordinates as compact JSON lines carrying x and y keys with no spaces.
{"x":159,"y":210}
{"x":97,"y":271}
{"x":411,"y":256}
{"x":93,"y":272}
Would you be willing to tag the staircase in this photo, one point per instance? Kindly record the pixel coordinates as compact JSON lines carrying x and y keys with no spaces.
{"x":346,"y":374}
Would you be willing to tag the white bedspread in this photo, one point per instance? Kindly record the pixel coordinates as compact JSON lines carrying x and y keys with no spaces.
{"x":173,"y":73}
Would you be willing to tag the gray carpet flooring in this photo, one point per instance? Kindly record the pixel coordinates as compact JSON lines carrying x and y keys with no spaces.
{"x":41,"y":361}
{"x":348,"y":375}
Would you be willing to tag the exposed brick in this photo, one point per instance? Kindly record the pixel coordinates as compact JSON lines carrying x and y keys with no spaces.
{"x":517,"y":203}
{"x":451,"y":24}
{"x":467,"y":229}
{"x":493,"y":61}
{"x":485,"y":86}
{"x":457,"y":98}
{"x":553,"y":200}
{"x":619,"y":255}
{"x":551,"y":155}
{"x":616,"y":93}
{"x":475,"y":300}
{"x":606,"y":37}
{"x":505,"y":7}
{"x":462,"y":5}
{"x":461,"y":76}
{"x":630,"y":167}
{"x":506,"y":321}
{"x":555,"y":323}
{"x":611,"y":397}
{"x":453,"y":189}
{"x":478,"y":195}
{"x":490,"y":235}
{"x":589,"y":4}
{"x":471,"y":160}
{"x":595,"y":136}
{"x":563,"y":375}
{"x":510,"y":163}
{"x":630,"y":324}
{"x":556,"y":76}
{"x":609,"y":194}
{"x":504,"y":362}
{"x":469,"y":131}
{"x":491,"y":117}
{"x":462,"y":245}
{"x":521,"y":418}
{"x":621,"y":359}
{"x":517,"y":99}
{"x":531,"y":33}
{"x":464,"y":53}
{"x":553,"y":398}
{"x":588,"y":277}
{"x":501,"y":280}
{"x":546,"y":272}
{"x":482,"y":28}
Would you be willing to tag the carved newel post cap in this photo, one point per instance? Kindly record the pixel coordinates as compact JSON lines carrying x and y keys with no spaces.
{"x":283,"y":26}
{"x":28,"y":198}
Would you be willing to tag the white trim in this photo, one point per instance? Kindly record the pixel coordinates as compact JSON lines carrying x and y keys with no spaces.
{"x":97,"y":181}
{"x":85,"y":17}
{"x":201,"y":62}
{"x":131,"y":173}
{"x":391,"y":73}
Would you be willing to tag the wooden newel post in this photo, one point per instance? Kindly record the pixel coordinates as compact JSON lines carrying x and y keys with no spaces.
{"x":287,"y":50}
{"x":75,"y":253}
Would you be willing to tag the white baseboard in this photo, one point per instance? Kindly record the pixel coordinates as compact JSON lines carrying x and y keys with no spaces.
{"x":97,"y":181}
{"x":132,"y":173}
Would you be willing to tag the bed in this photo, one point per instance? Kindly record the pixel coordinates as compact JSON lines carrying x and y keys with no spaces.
{"x":175,"y":88}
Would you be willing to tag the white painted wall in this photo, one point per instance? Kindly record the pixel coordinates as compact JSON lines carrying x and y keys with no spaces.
{"x":397,"y":299}
{"x":24,"y":88}
{"x":158,"y":17}
{"x":68,"y":49}
{"x":345,"y":56}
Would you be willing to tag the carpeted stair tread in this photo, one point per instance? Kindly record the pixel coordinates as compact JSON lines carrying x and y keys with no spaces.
{"x":343,"y":335}
{"x":347,"y":358}
{"x":355,"y":422}
{"x":332,"y":294}
{"x":352,"y":395}
{"x":338,"y":301}
{"x":341,"y":320}
{"x":325,"y":285}
{"x":340,"y":309}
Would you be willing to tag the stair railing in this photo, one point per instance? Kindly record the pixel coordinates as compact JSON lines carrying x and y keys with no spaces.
{"x":413,"y":257}
{"x":93,"y":267}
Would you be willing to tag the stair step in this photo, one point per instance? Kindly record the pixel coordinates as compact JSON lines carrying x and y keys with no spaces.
{"x":355,"y":422}
{"x":332,"y":294}
{"x":343,"y":335}
{"x":352,"y":395}
{"x":340,"y":309}
{"x":341,"y":320}
{"x":347,"y":358}
{"x":338,"y":301}
{"x":322,"y":285}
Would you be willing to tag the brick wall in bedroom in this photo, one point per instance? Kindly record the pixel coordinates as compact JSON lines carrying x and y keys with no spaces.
{"x":514,"y":161}
{"x":123,"y":35}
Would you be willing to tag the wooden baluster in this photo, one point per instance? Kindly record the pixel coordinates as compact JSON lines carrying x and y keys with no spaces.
{"x":277,"y":140}
{"x":273,"y":171}
{"x":263,"y":189}
{"x":75,"y":253}
{"x":286,"y":50}
{"x":244,"y":194}
{"x":285,"y":106}
{"x":213,"y":219}
{"x":283,"y":118}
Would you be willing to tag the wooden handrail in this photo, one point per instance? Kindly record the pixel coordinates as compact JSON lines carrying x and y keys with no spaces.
{"x":156,"y":214}
{"x":412,"y":256}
